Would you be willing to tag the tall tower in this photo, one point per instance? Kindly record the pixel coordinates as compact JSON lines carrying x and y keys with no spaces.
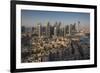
{"x":39,"y":30}
{"x":55,"y":31}
{"x":48,"y":30}
{"x":64,"y":31}
{"x":74,"y":28}
{"x":69,"y":29}
{"x":78,"y":26}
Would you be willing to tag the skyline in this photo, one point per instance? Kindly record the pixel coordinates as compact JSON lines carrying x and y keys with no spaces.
{"x":30,"y":18}
{"x":54,"y":43}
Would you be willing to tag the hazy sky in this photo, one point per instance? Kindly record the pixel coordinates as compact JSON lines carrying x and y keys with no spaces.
{"x":32,"y":17}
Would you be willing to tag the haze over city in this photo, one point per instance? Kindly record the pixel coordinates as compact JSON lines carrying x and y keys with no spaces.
{"x":32,"y":17}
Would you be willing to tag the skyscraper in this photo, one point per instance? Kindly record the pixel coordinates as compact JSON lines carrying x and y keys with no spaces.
{"x":55,"y":31}
{"x":23,"y":29}
{"x":48,"y":30}
{"x":69,"y":29}
{"x":78,"y":26}
{"x":64,"y":31}
{"x":39,"y":30}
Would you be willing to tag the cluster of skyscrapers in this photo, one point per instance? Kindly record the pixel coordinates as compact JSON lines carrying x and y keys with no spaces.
{"x":49,"y":30}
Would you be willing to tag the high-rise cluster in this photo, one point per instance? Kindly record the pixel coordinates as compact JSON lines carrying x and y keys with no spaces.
{"x":56,"y":30}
